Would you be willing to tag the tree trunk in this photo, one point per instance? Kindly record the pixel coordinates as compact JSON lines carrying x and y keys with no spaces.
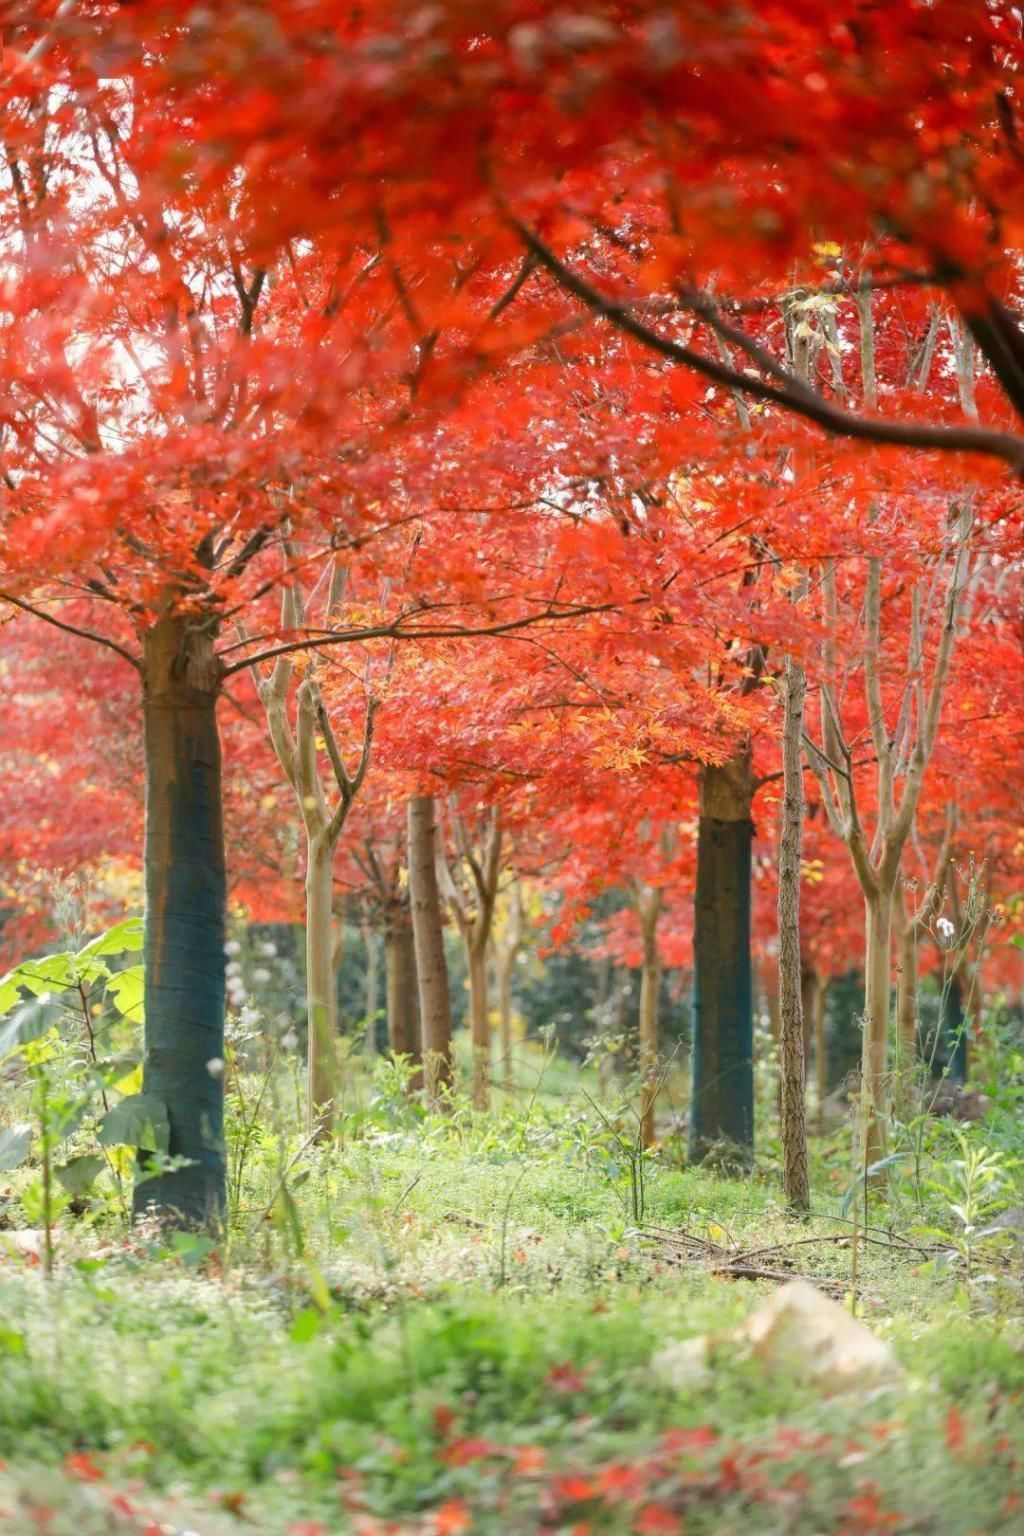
{"x":320,"y":986}
{"x":428,"y":932}
{"x":479,"y":1024}
{"x":954,"y":1028}
{"x":874,"y":1058}
{"x":722,"y":1106}
{"x":650,"y":978}
{"x":908,"y":1019}
{"x":400,"y":965}
{"x":186,"y":897}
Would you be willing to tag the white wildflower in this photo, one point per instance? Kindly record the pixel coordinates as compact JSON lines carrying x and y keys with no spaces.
{"x":232,"y":947}
{"x":215,"y":1066}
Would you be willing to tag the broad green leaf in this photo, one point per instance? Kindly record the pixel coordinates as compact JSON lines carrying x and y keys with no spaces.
{"x":307,"y":1325}
{"x":123,"y":939}
{"x":91,"y":970}
{"x":127,"y":989}
{"x":1018,"y":940}
{"x":192,"y":1248}
{"x":10,"y":991}
{"x":14,"y":1146}
{"x":80,"y":1173}
{"x":138,"y":1121}
{"x":48,"y":973}
{"x":29,"y":1022}
{"x":122,"y":1072}
{"x":65,"y":1119}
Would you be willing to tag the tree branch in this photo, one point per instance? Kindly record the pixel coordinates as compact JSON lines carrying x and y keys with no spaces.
{"x":791,"y":396}
{"x":73,"y":629}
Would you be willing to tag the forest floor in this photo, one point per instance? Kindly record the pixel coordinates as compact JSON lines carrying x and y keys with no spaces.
{"x":446,"y":1326}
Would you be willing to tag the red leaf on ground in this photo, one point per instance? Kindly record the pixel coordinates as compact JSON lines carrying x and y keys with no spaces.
{"x":451,"y":1518}
{"x":565,"y":1379}
{"x":571,"y":1488}
{"x":460,"y":1452}
{"x":82,"y":1466}
{"x":657,"y":1520}
{"x":678,"y":1441}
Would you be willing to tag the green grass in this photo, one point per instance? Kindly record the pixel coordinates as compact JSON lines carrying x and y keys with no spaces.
{"x":459,"y":1316}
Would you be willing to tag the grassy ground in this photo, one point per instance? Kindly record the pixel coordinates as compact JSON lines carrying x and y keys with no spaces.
{"x":449,"y":1325}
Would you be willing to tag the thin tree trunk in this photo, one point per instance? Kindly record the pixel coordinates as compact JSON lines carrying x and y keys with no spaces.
{"x":479,"y":1024}
{"x":874,"y":1059}
{"x":428,"y":932}
{"x":410,"y":986}
{"x":908,"y":1017}
{"x":400,"y":961}
{"x":320,"y":985}
{"x":722,"y":1106}
{"x":795,"y":1180}
{"x":650,"y":978}
{"x":186,"y":895}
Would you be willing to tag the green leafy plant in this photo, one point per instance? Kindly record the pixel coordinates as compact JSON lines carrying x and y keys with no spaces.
{"x":971,"y":1188}
{"x":72,"y":1021}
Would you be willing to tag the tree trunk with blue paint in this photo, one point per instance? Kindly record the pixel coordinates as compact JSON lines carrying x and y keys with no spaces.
{"x":722,"y":1105}
{"x":185,"y":922}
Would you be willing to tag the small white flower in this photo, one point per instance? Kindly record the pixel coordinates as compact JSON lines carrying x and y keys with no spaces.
{"x":268,"y":951}
{"x":289,"y":1041}
{"x":233,"y":968}
{"x":232,"y":947}
{"x":215,"y":1066}
{"x":945,"y":928}
{"x":261,"y":974}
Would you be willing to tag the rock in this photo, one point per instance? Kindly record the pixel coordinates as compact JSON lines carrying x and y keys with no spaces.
{"x":28,"y":1242}
{"x":800,"y":1328}
{"x":797,"y":1329}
